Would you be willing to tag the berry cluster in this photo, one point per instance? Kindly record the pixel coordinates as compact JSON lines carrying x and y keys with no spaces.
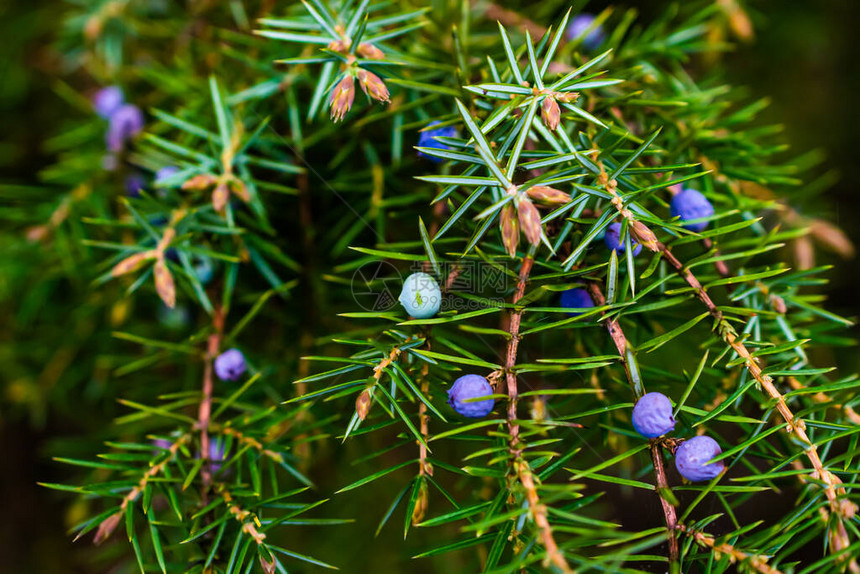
{"x":652,"y":418}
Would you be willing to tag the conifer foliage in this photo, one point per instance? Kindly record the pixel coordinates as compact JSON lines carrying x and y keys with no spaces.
{"x":585,"y":213}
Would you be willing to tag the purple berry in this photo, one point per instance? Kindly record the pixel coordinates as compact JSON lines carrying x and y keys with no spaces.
{"x":578,"y":26}
{"x":165,"y":172}
{"x":613,"y":240}
{"x":134,"y":183}
{"x":576,"y":299}
{"x":692,"y":456}
{"x":464,"y":391}
{"x":216,"y":453}
{"x":107,"y":101}
{"x":427,"y":139}
{"x":691,"y":204}
{"x":230,"y":365}
{"x":162,"y":443}
{"x":652,"y":415}
{"x":125,"y":123}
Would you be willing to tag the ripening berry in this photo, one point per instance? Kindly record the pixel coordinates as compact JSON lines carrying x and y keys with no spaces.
{"x":652,"y":415}
{"x":691,"y":459}
{"x":174,"y":319}
{"x":165,"y":173}
{"x":578,"y":26}
{"x":204,"y":268}
{"x":217,"y":451}
{"x":427,"y":138}
{"x":421,"y":296}
{"x":465,"y":391}
{"x":691,"y":204}
{"x":134,"y":184}
{"x":230,"y":365}
{"x":576,"y":299}
{"x":613,"y":240}
{"x":125,"y":123}
{"x":108,"y":100}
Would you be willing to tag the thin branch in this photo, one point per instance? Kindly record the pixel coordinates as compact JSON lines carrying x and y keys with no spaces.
{"x":109,"y":524}
{"x":520,"y":466}
{"x":204,"y":413}
{"x":638,"y":388}
{"x":754,"y":561}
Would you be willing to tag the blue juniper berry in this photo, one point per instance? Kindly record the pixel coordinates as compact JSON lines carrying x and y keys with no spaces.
{"x":427,"y":139}
{"x":578,"y":26}
{"x":217,"y":451}
{"x":125,"y":123}
{"x":421,"y":296}
{"x":165,"y":172}
{"x":108,"y":100}
{"x":134,"y":183}
{"x":691,"y":204}
{"x":204,"y":268}
{"x":691,"y":459}
{"x":576,"y":299}
{"x":464,"y":391}
{"x":230,"y":365}
{"x":652,"y":415}
{"x":613,"y":240}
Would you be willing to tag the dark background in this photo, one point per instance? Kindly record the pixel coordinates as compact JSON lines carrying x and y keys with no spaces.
{"x":804,"y":57}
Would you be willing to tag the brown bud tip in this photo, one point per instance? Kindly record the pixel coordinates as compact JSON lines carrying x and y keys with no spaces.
{"x":370,"y":52}
{"x":268,"y":567}
{"x":550,"y":112}
{"x":644,"y":235}
{"x":420,"y":504}
{"x":548,"y":195}
{"x":220,"y":195}
{"x":362,"y":403}
{"x":200,"y":182}
{"x":510,"y":229}
{"x":529,"y":220}
{"x":340,"y":46}
{"x":164,"y":285}
{"x":778,"y":304}
{"x":131,"y":263}
{"x":107,"y":527}
{"x":342,"y":98}
{"x":239,"y":189}
{"x":372,"y":85}
{"x":831,"y":236}
{"x":37,"y":233}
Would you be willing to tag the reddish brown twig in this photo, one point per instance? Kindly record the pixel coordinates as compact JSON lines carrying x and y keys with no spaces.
{"x":520,"y":466}
{"x":204,"y":413}
{"x":638,"y":388}
{"x":754,"y":561}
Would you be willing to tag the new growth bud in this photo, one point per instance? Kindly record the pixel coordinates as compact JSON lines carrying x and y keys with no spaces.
{"x":550,"y":112}
{"x":548,"y":195}
{"x":362,"y":403}
{"x":529,"y":220}
{"x":372,"y":85}
{"x":370,"y":52}
{"x":342,"y":98}
{"x":510,"y":229}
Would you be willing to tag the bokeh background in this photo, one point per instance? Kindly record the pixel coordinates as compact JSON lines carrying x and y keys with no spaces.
{"x":804,"y":57}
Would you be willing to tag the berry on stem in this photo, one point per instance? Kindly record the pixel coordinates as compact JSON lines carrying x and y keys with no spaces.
{"x":576,"y":299}
{"x":613,"y":240}
{"x":230,"y":365}
{"x":421,"y":296}
{"x":125,"y":123}
{"x":464,"y":395}
{"x":427,"y":138}
{"x":579,"y":25}
{"x":108,"y":100}
{"x":691,"y":459}
{"x":690,"y":204}
{"x":652,"y":415}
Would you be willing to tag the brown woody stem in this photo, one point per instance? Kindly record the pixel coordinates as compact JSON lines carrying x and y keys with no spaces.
{"x":521,"y":467}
